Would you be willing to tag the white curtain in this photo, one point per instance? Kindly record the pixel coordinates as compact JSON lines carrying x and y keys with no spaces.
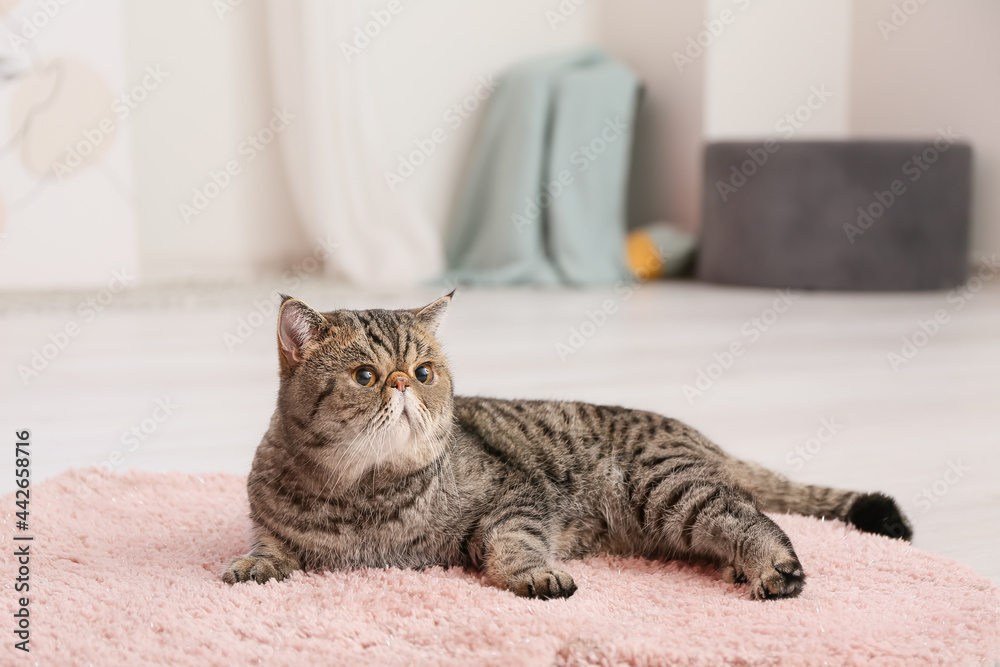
{"x":331,"y":149}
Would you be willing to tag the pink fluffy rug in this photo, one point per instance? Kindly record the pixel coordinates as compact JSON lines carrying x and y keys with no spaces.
{"x":125,"y":571}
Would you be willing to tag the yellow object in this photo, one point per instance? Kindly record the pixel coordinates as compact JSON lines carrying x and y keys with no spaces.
{"x":643,"y":256}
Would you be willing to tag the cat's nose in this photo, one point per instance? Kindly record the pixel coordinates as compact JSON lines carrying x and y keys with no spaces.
{"x":398,"y":380}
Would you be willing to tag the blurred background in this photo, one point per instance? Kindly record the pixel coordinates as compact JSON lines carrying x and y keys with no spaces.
{"x":167,"y":168}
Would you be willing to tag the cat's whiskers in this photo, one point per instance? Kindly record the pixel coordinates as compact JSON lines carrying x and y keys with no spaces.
{"x":339,"y":468}
{"x":351,"y":454}
{"x":382,"y":431}
{"x":421,"y":435}
{"x":441,"y":457}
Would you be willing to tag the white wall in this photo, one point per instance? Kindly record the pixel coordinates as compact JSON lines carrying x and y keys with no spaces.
{"x":434,"y":54}
{"x":217,"y":93}
{"x":771,"y":59}
{"x":666,"y":162}
{"x":940,"y":68}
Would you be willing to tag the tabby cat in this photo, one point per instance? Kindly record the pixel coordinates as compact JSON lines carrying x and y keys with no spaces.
{"x":371,"y":460}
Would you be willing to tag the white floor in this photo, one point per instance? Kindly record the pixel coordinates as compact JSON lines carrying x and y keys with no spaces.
{"x":931,"y":424}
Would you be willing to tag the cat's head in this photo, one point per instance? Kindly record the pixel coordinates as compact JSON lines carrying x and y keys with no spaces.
{"x":368,"y":387}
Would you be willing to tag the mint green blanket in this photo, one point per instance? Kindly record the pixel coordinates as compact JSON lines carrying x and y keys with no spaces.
{"x":543,"y":201}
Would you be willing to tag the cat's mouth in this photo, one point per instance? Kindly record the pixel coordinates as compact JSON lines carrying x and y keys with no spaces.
{"x":411,"y":415}
{"x":405,"y":412}
{"x":408,"y":414}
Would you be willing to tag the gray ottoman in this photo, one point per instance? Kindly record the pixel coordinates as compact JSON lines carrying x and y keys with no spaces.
{"x":853,"y":215}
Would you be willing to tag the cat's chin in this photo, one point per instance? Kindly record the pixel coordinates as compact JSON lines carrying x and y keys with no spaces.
{"x":398,"y":446}
{"x":407,"y":433}
{"x":409,"y":443}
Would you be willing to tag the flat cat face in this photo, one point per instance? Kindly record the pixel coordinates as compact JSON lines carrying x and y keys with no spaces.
{"x":368,"y":387}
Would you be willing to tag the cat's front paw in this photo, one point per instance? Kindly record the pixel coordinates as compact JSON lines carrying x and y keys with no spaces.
{"x":253,"y":568}
{"x":544,"y":584}
{"x":782,"y":577}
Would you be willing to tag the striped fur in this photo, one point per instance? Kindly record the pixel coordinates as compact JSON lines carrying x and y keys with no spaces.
{"x":406,"y":474}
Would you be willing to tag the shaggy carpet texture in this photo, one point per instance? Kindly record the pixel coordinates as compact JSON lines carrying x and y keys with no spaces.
{"x":125,"y":571}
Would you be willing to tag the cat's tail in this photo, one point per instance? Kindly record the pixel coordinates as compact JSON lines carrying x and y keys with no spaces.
{"x":871,"y":512}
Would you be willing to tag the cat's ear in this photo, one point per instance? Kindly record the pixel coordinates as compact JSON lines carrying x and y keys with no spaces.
{"x":298,"y":324}
{"x":432,"y":315}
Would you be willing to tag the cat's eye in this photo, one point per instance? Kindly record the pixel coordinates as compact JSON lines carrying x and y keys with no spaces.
{"x":365,"y":376}
{"x":424,"y":374}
